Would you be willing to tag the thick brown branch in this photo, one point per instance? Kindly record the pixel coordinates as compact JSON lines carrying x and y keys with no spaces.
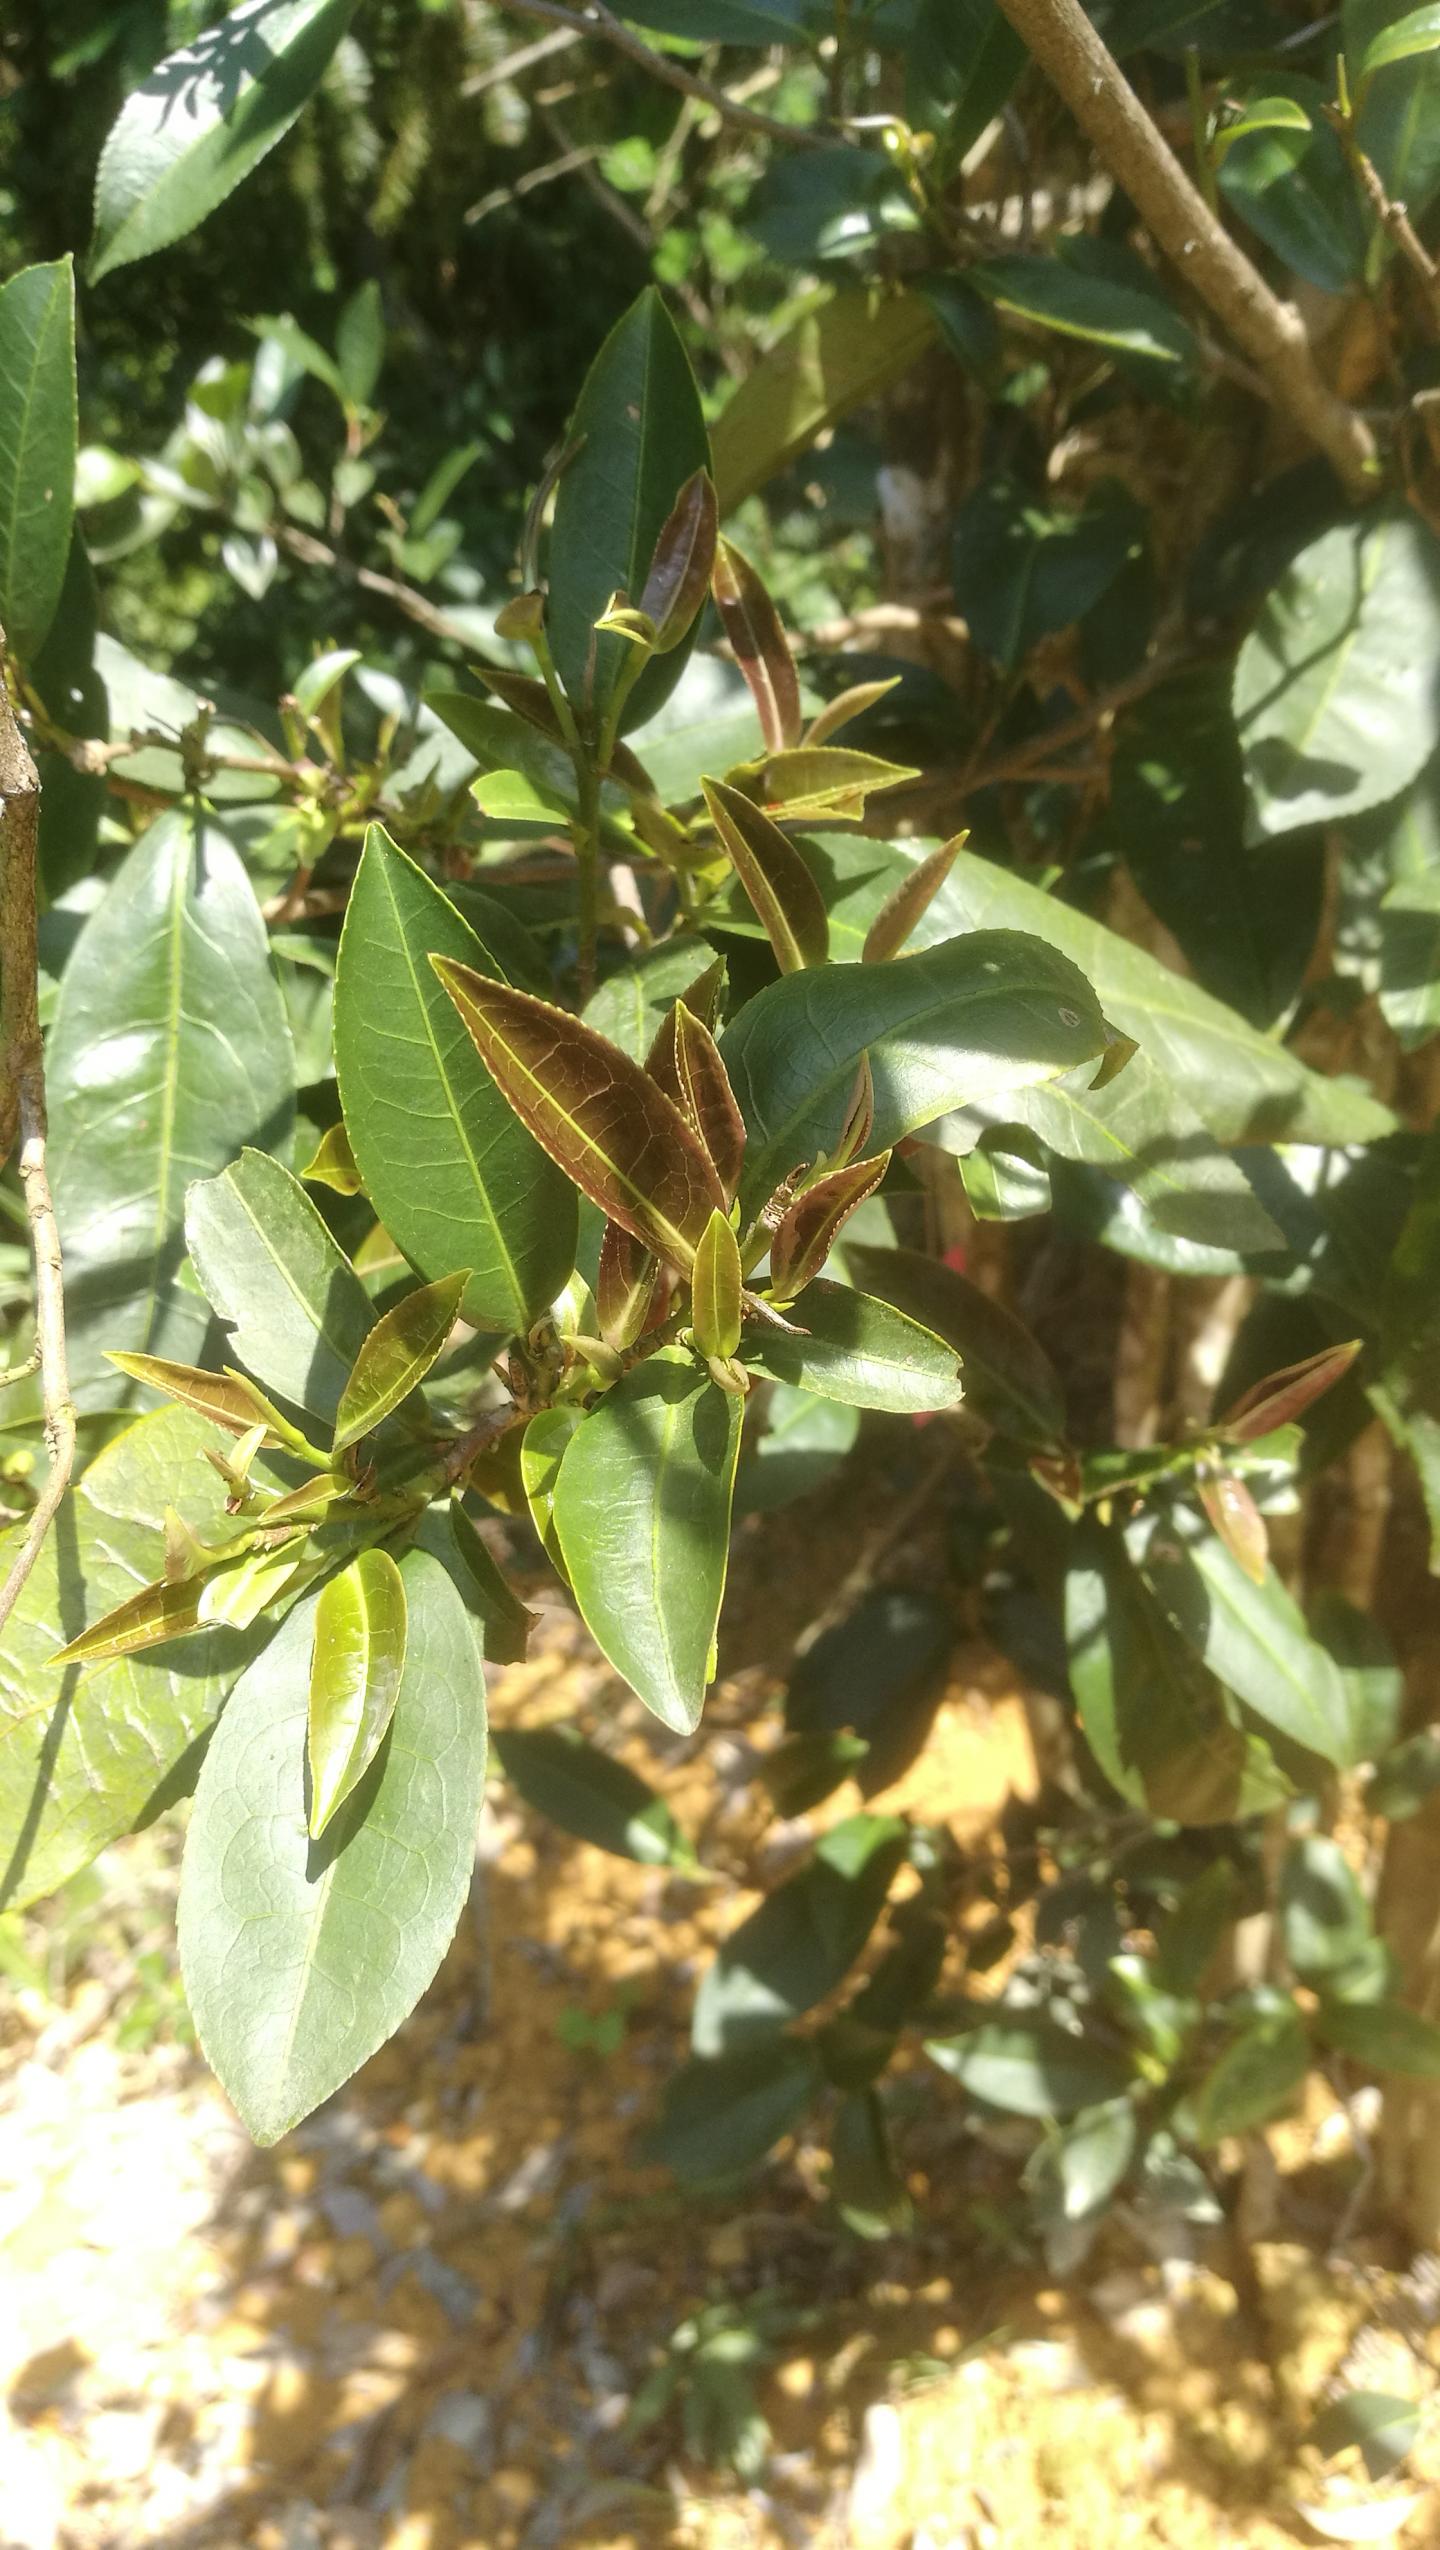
{"x":22,"y":1110}
{"x":601,"y":22}
{"x":1070,"y":53}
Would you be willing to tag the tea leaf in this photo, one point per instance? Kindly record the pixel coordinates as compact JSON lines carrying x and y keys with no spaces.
{"x":396,"y":1356}
{"x":775,"y":877}
{"x":355,"y":1675}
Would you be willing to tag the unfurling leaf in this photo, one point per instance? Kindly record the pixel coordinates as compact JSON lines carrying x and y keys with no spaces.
{"x":397,"y":1355}
{"x":845,"y":706}
{"x":521,"y":619}
{"x":621,"y":1140}
{"x":332,"y":1163}
{"x":627,"y":1287}
{"x":775,"y":877}
{"x":355,"y":1675}
{"x":543,"y":1446}
{"x":827,"y":781}
{"x":1284,"y":1396}
{"x":642,"y":1509}
{"x":810,"y":1228}
{"x":229,"y":1397}
{"x":760,"y":646}
{"x":1237,"y":1520}
{"x":679,"y":578}
{"x":685,"y":1061}
{"x":716,"y":1289}
{"x":914,"y":894}
{"x":163,"y":1610}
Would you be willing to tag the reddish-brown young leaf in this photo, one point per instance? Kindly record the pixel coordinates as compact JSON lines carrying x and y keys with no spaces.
{"x":685,"y":1062}
{"x":761,"y":648}
{"x":784,"y":893}
{"x":810,"y":1228}
{"x":846,"y":705}
{"x":1236,"y":1519}
{"x":702,"y":997}
{"x":859,"y":1122}
{"x":622,"y":1141}
{"x":629,"y":1287}
{"x":1285,"y":1395}
{"x":914,"y":894}
{"x":684,"y":558}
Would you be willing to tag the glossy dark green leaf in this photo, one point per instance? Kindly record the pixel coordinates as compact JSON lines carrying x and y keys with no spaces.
{"x":1253,"y":2080}
{"x":632,"y":1004}
{"x":396,"y":1356}
{"x":601,"y":1117}
{"x":1383,"y":2035}
{"x":203,"y":119}
{"x":355,"y":1677}
{"x":1252,"y":1637}
{"x":591,"y":1795}
{"x":1334,"y":698}
{"x":685,"y":1061}
{"x":82,"y":1748}
{"x":534,"y":773}
{"x":451,"y":1171}
{"x":1009,"y":1380}
{"x":858,"y":1351}
{"x":1246,"y":921}
{"x":801,"y":1942}
{"x":65,"y":677}
{"x":1023,"y":569}
{"x":298,"y":1311}
{"x":954,"y":1024}
{"x":37,"y":451}
{"x":1051,"y":292}
{"x":637,"y":435}
{"x":169,"y":1049}
{"x":836,"y":355}
{"x":337,"y":1939}
{"x":1243,"y":1085}
{"x":505,"y":1622}
{"x":642,"y":1511}
{"x":775,"y":877}
{"x":720,"y":2118}
{"x":1295,"y":192}
{"x":1152,"y":1715}
{"x":1030,"y":2067}
{"x":814,"y":1221}
{"x":760,"y":646}
{"x":1142,"y":1131}
{"x":837,"y":201}
{"x":716,"y":1288}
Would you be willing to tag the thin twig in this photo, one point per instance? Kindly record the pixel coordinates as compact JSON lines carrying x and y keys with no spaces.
{"x":1393,"y":217}
{"x":600,"y":22}
{"x":525,"y":57}
{"x":1272,"y":333}
{"x":22,"y":1112}
{"x":318,"y":553}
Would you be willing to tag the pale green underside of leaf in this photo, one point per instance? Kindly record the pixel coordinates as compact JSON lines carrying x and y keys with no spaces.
{"x":301,"y":1958}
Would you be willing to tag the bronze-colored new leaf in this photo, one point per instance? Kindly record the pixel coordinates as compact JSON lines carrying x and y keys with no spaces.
{"x":760,"y":646}
{"x":914,"y":894}
{"x":814,"y":1221}
{"x":598,"y":1114}
{"x":685,"y":1061}
{"x":1285,"y":1395}
{"x":227,"y":1397}
{"x":680,"y":569}
{"x":627,"y":1287}
{"x":717,"y":1290}
{"x":786,"y":898}
{"x":1236,"y":1519}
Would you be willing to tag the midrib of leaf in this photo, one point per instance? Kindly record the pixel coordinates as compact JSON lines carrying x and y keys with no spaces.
{"x":516,"y":1295}
{"x":281,"y":1269}
{"x":550,"y":1105}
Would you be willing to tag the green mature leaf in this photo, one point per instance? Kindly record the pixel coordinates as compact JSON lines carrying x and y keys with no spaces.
{"x":396,"y":1356}
{"x":592,"y":1796}
{"x":1410,"y":960}
{"x":355,"y":1677}
{"x":962,"y":60}
{"x":637,"y":435}
{"x":1260,"y":115}
{"x":832,"y":359}
{"x":1256,"y":2076}
{"x":720,"y":2118}
{"x":169,"y":1049}
{"x":1031,"y":2067}
{"x":298,"y":1310}
{"x":858,"y":1351}
{"x":716,"y":1288}
{"x":1244,"y":1086}
{"x":451,"y":1172}
{"x":504,"y":1620}
{"x":528,"y":775}
{"x":1383,"y":2035}
{"x":1009,"y":1379}
{"x":1176,"y":815}
{"x":1295,"y":192}
{"x":1152,"y":1715}
{"x":775,"y":878}
{"x":642,"y":1510}
{"x":601,"y":1117}
{"x":803,"y":1442}
{"x":84,"y":1747}
{"x":760,"y":646}
{"x":1085,"y":2163}
{"x":1325,"y":1921}
{"x":360,"y":347}
{"x":546,"y":1440}
{"x":1398,"y":115}
{"x":633,"y":1003}
{"x":1053,"y":293}
{"x":203,"y":119}
{"x":1334,"y":695}
{"x":801,"y":1942}
{"x":1251,"y":1636}
{"x":954,"y":1024}
{"x":37,"y":451}
{"x":335,"y":1939}
{"x":66,"y":677}
{"x":1023,"y":569}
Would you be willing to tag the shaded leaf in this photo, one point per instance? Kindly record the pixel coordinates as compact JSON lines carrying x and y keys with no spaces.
{"x":1257,"y":2075}
{"x":720,"y":2118}
{"x":1250,"y":1634}
{"x":591,"y":1795}
{"x":632,"y":1004}
{"x":833,"y":358}
{"x":298,"y":1311}
{"x":1294,"y":191}
{"x":674,"y":591}
{"x":1023,"y":569}
{"x":859,"y":1351}
{"x":628,"y":1288}
{"x":355,"y":1676}
{"x":504,"y":1619}
{"x":1009,"y":1380}
{"x":1384,"y":2035}
{"x":1030,"y":2067}
{"x":1051,"y":292}
{"x":800,"y":1943}
{"x":37,"y":452}
{"x":396,"y":1355}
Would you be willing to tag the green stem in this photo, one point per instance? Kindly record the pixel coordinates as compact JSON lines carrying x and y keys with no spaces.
{"x":585,"y":833}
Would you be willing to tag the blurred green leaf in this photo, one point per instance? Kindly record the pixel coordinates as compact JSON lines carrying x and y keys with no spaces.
{"x":37,"y":451}
{"x":591,"y":1795}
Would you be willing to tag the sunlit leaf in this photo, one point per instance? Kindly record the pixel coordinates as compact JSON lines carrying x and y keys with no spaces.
{"x":685,"y":1061}
{"x":1009,"y":1379}
{"x":914,"y":894}
{"x":862,"y":1352}
{"x":759,"y":645}
{"x":833,"y":358}
{"x":674,"y":591}
{"x":298,"y":1311}
{"x":355,"y":1674}
{"x":716,"y":1288}
{"x":809,"y":1229}
{"x":775,"y":877}
{"x":396,"y":1356}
